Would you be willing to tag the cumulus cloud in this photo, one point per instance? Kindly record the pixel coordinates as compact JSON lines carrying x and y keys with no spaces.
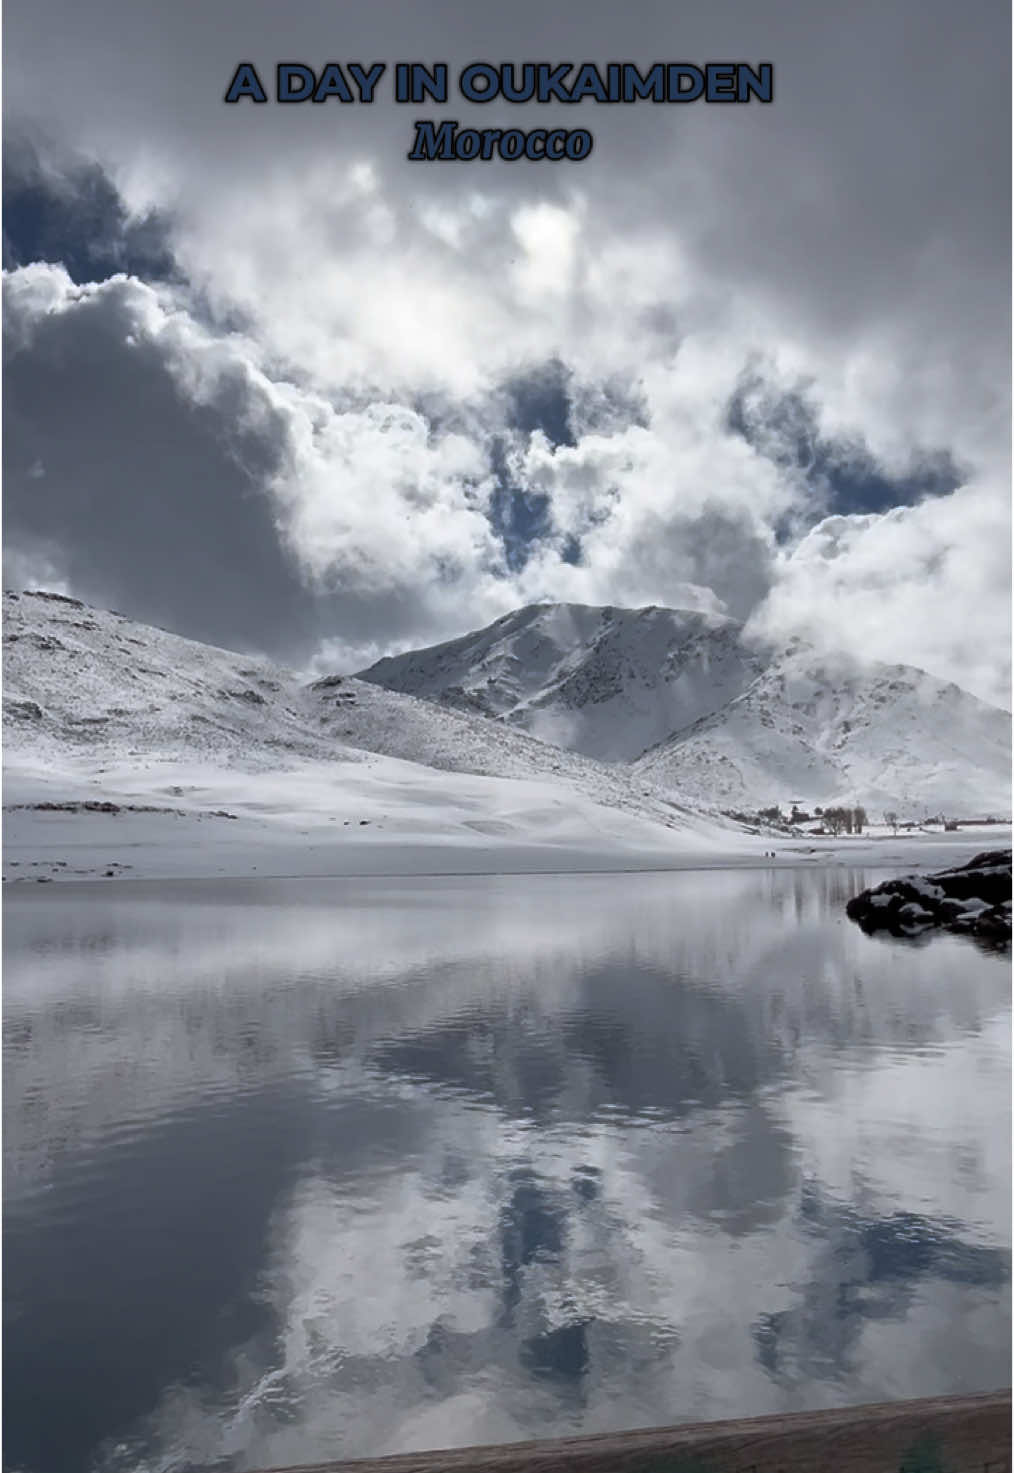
{"x":151,"y":497}
{"x":202,"y":491}
{"x":925,"y":585}
{"x":384,"y":402}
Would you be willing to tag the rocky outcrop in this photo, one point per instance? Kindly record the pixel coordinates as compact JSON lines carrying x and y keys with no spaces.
{"x":974,"y":899}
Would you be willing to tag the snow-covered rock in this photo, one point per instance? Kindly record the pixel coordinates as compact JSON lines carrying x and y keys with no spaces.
{"x":974,"y":898}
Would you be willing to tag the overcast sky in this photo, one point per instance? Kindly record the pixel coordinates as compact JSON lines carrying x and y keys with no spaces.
{"x":271,"y":385}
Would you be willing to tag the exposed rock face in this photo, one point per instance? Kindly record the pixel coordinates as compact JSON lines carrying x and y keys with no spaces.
{"x":974,"y":899}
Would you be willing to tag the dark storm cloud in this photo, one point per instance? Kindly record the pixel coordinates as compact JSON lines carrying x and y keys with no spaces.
{"x":540,"y":400}
{"x":832,"y":192}
{"x":71,"y":213}
{"x":719,"y":547}
{"x":559,"y":401}
{"x":144,"y":499}
{"x":150,"y":466}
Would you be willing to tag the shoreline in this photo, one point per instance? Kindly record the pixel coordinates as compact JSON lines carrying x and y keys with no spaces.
{"x":98,"y":848}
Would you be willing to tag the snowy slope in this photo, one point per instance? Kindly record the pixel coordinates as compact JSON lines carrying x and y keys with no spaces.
{"x":606,"y":682}
{"x":682,"y":697}
{"x":820,"y":731}
{"x":90,"y":697}
{"x":99,"y":708}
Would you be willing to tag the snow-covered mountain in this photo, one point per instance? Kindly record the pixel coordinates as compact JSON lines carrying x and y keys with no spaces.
{"x":695,"y":708}
{"x":108,"y":707}
{"x":96,"y":698}
{"x":606,"y":682}
{"x":822,"y":731}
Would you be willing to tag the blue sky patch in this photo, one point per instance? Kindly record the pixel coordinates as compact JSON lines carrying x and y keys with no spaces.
{"x":519,"y":518}
{"x":73,"y":215}
{"x":844,"y":475}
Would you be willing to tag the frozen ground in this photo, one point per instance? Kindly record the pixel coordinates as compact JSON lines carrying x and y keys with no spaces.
{"x":386,"y":819}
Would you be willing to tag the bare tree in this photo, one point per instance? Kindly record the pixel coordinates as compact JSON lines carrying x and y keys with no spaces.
{"x":859,"y":819}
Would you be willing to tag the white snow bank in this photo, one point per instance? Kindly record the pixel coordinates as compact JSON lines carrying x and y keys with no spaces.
{"x":381,"y":816}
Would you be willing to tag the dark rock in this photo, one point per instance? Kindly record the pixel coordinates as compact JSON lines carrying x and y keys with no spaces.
{"x":23,"y":710}
{"x":92,"y":806}
{"x":56,"y":598}
{"x":252,"y":697}
{"x":971,"y":899}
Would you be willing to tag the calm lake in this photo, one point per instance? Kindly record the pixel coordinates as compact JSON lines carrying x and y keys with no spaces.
{"x":301,"y":1169}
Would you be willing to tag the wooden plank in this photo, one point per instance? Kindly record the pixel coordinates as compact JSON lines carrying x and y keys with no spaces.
{"x":941,"y":1434}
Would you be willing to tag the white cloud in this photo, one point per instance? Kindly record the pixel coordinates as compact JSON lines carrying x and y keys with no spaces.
{"x":926,"y":585}
{"x":856,"y":246}
{"x":547,"y":235}
{"x":370,"y":499}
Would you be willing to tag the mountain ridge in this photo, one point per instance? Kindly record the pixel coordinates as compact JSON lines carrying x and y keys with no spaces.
{"x":646,"y":671}
{"x":728,"y":721}
{"x":532,"y":696}
{"x":88,"y":688}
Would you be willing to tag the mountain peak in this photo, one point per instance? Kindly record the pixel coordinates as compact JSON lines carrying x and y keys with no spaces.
{"x":699,"y":709}
{"x":602,"y":680}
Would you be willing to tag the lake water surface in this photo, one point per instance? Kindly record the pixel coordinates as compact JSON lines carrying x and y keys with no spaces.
{"x":297,"y":1170}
